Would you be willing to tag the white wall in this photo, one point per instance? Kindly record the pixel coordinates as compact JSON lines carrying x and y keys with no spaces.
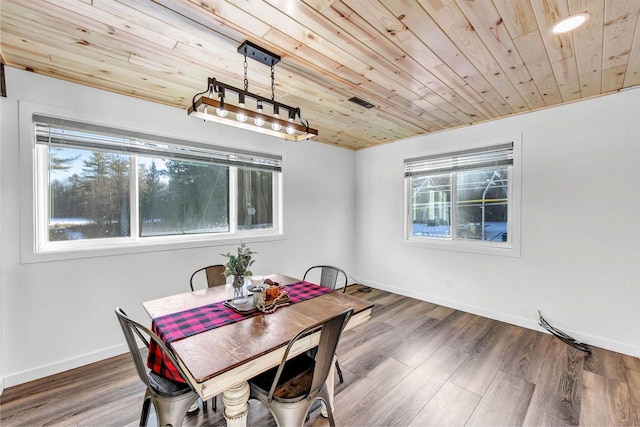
{"x":2,"y":101}
{"x":58,"y":315}
{"x":579,"y":261}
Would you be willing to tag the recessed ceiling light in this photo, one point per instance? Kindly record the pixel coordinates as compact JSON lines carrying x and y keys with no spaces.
{"x":570,"y":23}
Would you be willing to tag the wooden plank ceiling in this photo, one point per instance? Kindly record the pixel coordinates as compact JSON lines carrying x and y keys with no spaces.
{"x":426,"y":65}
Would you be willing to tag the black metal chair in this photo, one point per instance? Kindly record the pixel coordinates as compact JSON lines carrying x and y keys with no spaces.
{"x":170,"y":399}
{"x":290,"y":389}
{"x":214,"y":275}
{"x":329,"y":276}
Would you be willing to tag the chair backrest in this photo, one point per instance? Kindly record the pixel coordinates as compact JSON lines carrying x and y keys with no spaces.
{"x":329,"y":275}
{"x":330,"y":331}
{"x":214,"y":274}
{"x":131,"y":327}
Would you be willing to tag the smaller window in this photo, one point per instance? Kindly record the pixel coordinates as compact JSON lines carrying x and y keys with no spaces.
{"x":462,"y":200}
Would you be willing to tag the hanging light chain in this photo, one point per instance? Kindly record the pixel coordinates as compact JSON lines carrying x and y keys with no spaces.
{"x":246,"y":80}
{"x":273,"y":82}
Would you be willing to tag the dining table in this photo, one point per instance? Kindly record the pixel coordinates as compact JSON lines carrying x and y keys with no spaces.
{"x":221,"y":359}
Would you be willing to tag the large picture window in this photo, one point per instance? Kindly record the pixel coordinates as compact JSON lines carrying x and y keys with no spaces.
{"x":103,"y":186}
{"x":462,"y":198}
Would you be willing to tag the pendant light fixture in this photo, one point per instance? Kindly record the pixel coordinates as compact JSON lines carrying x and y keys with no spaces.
{"x":213,"y":104}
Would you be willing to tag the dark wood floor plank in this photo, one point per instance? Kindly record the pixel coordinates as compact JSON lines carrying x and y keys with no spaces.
{"x":385,"y":312}
{"x":504,"y":403}
{"x":556,"y":399}
{"x":605,"y":363}
{"x":372,"y":352}
{"x":477,"y":372}
{"x":632,"y":365}
{"x":451,"y":406}
{"x":29,"y":404}
{"x":117,"y":413}
{"x":471,"y":334}
{"x":403,"y":402}
{"x":365,"y":393}
{"x":439,"y":312}
{"x":355,"y":338}
{"x":411,"y":313}
{"x":416,"y":350}
{"x":605,"y":402}
{"x":527,"y":354}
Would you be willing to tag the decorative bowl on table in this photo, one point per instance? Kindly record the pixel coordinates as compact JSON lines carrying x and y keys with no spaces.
{"x":257,"y":280}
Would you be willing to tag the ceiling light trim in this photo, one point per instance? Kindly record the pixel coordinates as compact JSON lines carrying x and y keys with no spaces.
{"x":569,"y":23}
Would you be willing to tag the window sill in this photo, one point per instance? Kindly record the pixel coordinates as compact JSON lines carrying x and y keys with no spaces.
{"x":505,"y":249}
{"x":105,"y":249}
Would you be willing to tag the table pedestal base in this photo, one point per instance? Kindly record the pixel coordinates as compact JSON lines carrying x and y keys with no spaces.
{"x":236,"y":405}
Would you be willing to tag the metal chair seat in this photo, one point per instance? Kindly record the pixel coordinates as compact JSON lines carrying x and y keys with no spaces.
{"x":165,"y":387}
{"x":295,"y":381}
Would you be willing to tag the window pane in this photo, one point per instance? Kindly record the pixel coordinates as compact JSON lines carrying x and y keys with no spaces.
{"x":482,"y":204}
{"x":431,"y":203}
{"x":255,"y":199}
{"x":88,"y":194}
{"x":178,"y":197}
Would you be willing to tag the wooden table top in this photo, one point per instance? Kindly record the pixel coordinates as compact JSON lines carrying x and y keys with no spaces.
{"x":214,"y":352}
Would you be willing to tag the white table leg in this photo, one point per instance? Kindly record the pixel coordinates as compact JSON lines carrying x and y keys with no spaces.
{"x":331,"y":386}
{"x":236,"y":405}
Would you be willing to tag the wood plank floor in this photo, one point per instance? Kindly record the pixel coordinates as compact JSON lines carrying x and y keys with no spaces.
{"x":414,"y":364}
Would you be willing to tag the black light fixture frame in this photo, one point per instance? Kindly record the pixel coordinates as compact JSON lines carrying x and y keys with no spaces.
{"x":200,"y":103}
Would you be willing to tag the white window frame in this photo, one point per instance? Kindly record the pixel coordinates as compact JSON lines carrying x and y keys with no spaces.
{"x":33,"y":193}
{"x":510,"y":248}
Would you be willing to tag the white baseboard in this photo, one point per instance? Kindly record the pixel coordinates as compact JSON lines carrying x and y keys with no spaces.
{"x":589,"y":339}
{"x":1,"y":386}
{"x":63,"y":365}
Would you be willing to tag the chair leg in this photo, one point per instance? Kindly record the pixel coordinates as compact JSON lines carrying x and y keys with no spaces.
{"x":324,"y":395}
{"x":144,"y":416}
{"x":339,"y":372}
{"x":214,"y":403}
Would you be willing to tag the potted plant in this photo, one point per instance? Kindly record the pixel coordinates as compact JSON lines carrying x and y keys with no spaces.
{"x":238,"y":267}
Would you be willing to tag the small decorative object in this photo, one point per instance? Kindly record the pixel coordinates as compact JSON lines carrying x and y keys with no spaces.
{"x":272,"y":297}
{"x":238,"y":267}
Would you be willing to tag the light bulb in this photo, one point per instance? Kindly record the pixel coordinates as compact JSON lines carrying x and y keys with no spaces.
{"x":259,"y":121}
{"x":290,"y":129}
{"x":221,"y":111}
{"x":276,"y":115}
{"x":275,"y":125}
{"x":241,"y":116}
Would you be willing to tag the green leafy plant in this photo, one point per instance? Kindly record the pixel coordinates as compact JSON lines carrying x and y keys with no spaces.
{"x":238,"y":265}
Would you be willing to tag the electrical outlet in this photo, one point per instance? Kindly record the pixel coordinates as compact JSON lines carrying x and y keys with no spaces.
{"x":447,"y":282}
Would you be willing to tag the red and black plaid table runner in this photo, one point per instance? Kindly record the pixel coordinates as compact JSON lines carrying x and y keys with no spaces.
{"x":176,"y":326}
